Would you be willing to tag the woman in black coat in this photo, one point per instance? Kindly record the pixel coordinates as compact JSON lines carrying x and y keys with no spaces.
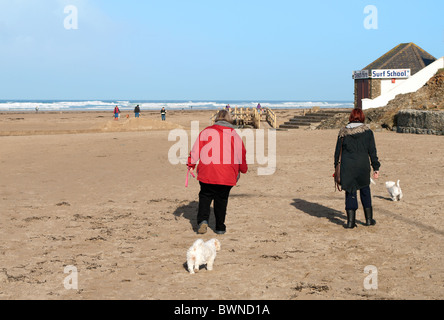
{"x":359,"y":155}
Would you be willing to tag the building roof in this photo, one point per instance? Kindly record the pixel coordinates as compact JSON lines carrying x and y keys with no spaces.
{"x":403,"y":56}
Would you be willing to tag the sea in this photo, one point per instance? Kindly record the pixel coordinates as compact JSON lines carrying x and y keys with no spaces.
{"x":147,"y":105}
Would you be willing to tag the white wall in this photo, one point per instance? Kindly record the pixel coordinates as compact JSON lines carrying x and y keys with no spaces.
{"x":413,"y":84}
{"x":387,"y":85}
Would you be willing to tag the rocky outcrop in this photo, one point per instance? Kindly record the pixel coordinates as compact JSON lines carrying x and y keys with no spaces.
{"x":430,"y":98}
{"x":336,"y":122}
{"x":420,"y":122}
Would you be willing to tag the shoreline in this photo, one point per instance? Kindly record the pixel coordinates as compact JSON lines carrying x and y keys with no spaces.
{"x":29,"y":123}
{"x":131,"y":111}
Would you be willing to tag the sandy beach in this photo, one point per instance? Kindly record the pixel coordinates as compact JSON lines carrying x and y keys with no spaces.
{"x":77,"y":189}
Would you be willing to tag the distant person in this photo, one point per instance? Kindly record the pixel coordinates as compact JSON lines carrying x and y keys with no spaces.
{"x":228,"y":107}
{"x":116,"y":113}
{"x":259,"y":108}
{"x":218,"y":173}
{"x":163,"y":114}
{"x":356,"y":154}
{"x":137,"y":111}
{"x":37,"y":109}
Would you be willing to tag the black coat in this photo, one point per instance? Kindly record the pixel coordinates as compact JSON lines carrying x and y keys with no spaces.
{"x":359,"y":148}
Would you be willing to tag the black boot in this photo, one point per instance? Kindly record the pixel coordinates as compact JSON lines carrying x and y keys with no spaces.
{"x":368,"y":212}
{"x":351,"y":219}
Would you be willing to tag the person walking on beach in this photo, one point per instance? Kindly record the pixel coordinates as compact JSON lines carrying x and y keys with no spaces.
{"x":116,"y":113}
{"x":163,"y":114}
{"x":259,"y":108}
{"x":137,"y":111}
{"x":222,"y":158}
{"x":355,"y":153}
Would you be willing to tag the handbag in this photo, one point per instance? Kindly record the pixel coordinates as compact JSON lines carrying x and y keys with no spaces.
{"x":337,"y":175}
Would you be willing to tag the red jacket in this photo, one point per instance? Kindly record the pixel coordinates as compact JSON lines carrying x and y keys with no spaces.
{"x":221,"y":154}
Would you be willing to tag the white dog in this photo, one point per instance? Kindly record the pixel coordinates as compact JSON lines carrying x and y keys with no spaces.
{"x":395,"y":190}
{"x":202,"y":253}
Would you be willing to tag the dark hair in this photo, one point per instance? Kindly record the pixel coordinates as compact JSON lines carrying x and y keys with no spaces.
{"x":357,"y":115}
{"x":224,"y":115}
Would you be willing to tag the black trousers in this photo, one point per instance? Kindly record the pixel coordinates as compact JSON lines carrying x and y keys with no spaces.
{"x":218,"y":193}
{"x":351,"y":199}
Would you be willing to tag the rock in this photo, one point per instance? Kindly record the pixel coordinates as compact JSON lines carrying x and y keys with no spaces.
{"x":421,"y":122}
{"x":336,"y":122}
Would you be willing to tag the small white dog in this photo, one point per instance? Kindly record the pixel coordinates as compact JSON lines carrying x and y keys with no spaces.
{"x":395,"y":190}
{"x":202,"y":253}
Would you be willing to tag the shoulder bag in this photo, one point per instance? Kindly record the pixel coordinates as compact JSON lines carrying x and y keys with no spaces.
{"x":337,"y":175}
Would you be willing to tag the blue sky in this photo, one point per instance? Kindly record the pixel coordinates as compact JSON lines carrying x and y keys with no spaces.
{"x":202,"y":50}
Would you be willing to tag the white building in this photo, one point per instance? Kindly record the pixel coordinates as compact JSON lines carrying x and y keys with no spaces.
{"x":405,"y":68}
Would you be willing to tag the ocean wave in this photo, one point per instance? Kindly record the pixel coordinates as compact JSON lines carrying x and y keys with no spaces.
{"x":124,"y":105}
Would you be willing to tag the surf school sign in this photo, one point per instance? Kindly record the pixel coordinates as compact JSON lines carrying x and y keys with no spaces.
{"x":391,"y":74}
{"x":382,"y":74}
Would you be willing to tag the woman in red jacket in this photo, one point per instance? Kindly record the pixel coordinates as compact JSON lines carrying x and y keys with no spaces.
{"x":221,"y":154}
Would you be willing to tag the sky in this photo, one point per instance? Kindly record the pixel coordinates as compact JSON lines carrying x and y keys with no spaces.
{"x":251,"y":50}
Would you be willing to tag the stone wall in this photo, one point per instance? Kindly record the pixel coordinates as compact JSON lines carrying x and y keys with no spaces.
{"x":375,"y":88}
{"x":420,"y":122}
